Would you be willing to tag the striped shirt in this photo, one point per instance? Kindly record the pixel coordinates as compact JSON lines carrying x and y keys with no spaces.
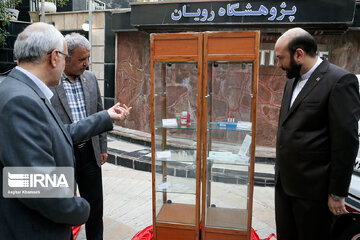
{"x":75,"y":97}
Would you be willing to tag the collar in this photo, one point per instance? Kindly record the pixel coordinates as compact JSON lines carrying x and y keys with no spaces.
{"x":65,"y":77}
{"x":308,"y":74}
{"x":40,"y":84}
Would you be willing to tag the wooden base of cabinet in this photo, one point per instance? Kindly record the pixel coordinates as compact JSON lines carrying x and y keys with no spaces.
{"x":227,"y":218}
{"x":175,"y":233}
{"x":225,"y":236}
{"x":176,"y":222}
{"x":226,"y":224}
{"x":177,"y":213}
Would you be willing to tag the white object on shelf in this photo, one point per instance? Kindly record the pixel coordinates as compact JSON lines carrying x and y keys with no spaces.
{"x":243,"y":125}
{"x":227,"y":158}
{"x":49,"y":7}
{"x":243,"y":159}
{"x":244,"y":148}
{"x":163,"y":154}
{"x":169,"y":122}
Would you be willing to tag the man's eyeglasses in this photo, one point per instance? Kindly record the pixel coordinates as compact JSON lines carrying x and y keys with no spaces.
{"x":66,"y":55}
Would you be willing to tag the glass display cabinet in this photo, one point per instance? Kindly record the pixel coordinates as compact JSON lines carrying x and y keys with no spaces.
{"x":203,"y":95}
{"x":176,"y":90}
{"x":228,"y":135}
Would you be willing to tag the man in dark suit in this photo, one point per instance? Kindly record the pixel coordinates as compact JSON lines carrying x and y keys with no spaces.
{"x":317,"y":140}
{"x":33,"y":135}
{"x":77,"y":97}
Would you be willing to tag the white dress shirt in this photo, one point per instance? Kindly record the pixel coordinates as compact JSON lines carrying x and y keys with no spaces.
{"x":302,"y":81}
{"x":44,"y":89}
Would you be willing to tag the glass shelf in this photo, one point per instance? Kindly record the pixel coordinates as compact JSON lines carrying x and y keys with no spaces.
{"x":227,"y":158}
{"x":178,"y":188}
{"x":191,"y":126}
{"x":176,"y":161}
{"x":175,"y":191}
{"x":176,"y":156}
{"x":214,"y":126}
{"x":211,"y":126}
{"x":228,"y":163}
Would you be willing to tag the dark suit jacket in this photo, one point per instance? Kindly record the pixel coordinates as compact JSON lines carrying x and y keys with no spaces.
{"x":32,"y":134}
{"x":317,"y":140}
{"x":93,"y":105}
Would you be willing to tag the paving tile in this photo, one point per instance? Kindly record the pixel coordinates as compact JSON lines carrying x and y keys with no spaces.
{"x":128,"y":195}
{"x":124,"y":162}
{"x":125,"y":146}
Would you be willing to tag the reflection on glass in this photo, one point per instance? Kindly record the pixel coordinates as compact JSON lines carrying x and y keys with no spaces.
{"x":175,"y":141}
{"x":229,"y":104}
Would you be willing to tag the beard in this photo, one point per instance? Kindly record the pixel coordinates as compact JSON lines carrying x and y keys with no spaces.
{"x":294,"y":69}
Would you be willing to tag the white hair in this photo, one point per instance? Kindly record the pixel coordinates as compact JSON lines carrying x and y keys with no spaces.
{"x":74,"y":40}
{"x":36,"y":41}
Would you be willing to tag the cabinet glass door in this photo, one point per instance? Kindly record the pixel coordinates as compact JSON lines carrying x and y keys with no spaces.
{"x":229,"y":133}
{"x":203,"y":125}
{"x":175,"y":97}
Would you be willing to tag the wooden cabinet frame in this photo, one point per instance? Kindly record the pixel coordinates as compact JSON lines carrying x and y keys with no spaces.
{"x":229,"y":46}
{"x":200,"y":48}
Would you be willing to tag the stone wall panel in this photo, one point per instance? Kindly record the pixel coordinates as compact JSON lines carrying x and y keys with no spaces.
{"x":229,"y":97}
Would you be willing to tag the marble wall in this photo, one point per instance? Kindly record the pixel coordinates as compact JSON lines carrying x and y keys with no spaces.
{"x":133,"y":78}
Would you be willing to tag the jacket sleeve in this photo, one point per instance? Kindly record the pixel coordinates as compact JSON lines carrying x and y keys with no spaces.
{"x":90,"y":126}
{"x":99,"y":107}
{"x":26,"y":140}
{"x":344,"y":114}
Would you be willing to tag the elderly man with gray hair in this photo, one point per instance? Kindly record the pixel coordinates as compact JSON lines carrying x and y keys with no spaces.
{"x":77,"y":97}
{"x":33,"y":136}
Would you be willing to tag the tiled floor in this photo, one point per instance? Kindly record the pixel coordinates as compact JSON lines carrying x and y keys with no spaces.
{"x":128,"y":204}
{"x":128,"y":209}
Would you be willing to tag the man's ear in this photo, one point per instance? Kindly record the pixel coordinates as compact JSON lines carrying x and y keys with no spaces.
{"x":299,"y":54}
{"x":67,"y":61}
{"x":53,"y":58}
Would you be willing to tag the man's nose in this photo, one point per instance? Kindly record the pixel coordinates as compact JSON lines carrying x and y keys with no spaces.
{"x":278,"y":64}
{"x":86,"y":62}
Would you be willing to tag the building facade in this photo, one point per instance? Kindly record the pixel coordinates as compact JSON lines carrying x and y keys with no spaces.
{"x":338,"y":39}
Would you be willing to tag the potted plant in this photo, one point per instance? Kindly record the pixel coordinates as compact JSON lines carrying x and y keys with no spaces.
{"x":8,"y":9}
{"x":50,"y":6}
{"x":7,"y":13}
{"x":59,"y":3}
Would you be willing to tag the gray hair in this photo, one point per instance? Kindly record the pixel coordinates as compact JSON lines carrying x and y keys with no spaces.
{"x":36,"y":41}
{"x":75,"y":40}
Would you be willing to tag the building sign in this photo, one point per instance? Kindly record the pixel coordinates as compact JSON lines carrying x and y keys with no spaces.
{"x":204,"y":15}
{"x":243,"y":13}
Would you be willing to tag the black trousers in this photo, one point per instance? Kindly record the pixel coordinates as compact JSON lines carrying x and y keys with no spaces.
{"x":301,"y":219}
{"x":89,"y":180}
